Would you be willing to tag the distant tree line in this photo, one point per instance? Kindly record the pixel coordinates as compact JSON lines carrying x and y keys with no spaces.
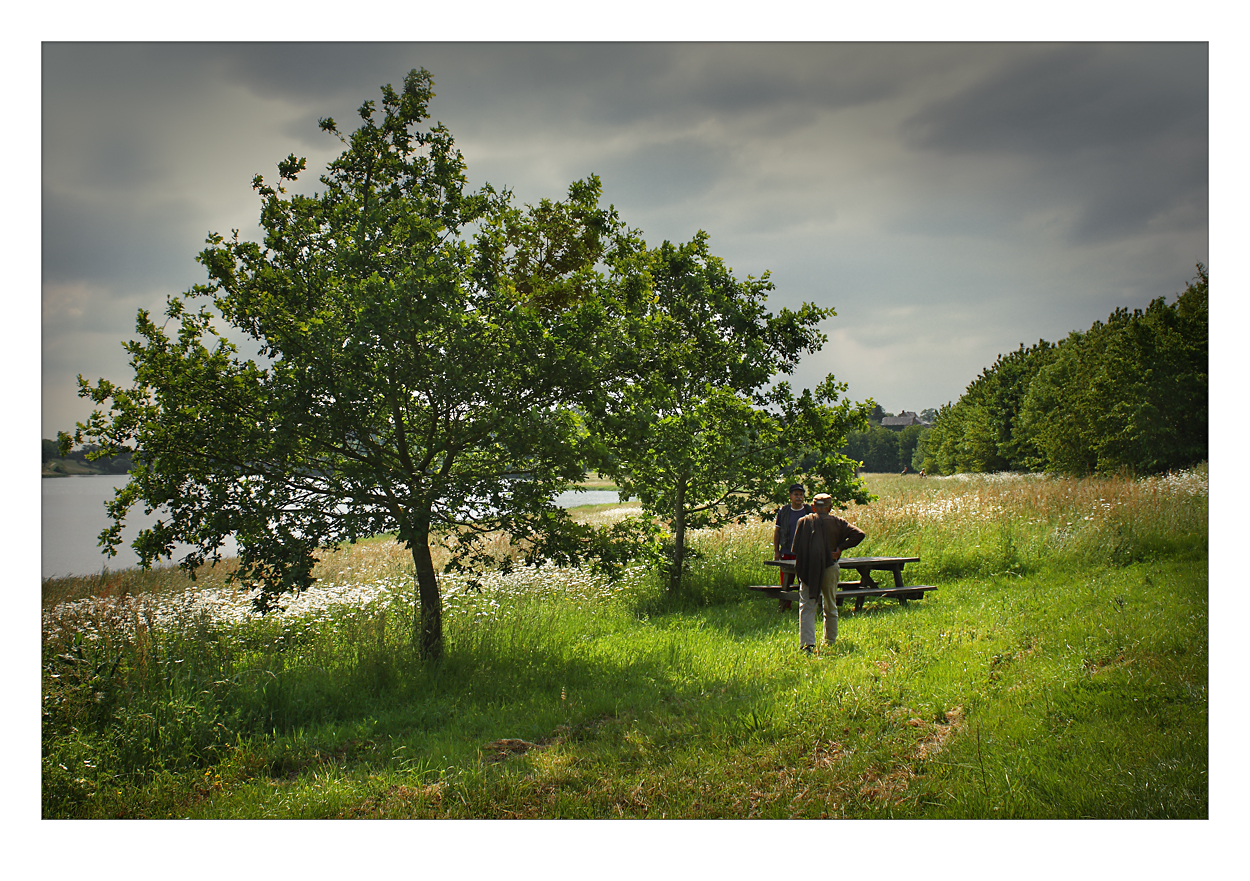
{"x":879,"y":448}
{"x":77,"y":462}
{"x":1129,"y":394}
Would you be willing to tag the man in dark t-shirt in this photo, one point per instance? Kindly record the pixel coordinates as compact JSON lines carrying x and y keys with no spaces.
{"x":787,"y":520}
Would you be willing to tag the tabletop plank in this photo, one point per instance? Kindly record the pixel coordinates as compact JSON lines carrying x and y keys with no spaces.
{"x":852,"y":562}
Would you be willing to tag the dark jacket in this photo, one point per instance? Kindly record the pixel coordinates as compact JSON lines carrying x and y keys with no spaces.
{"x":817,"y":539}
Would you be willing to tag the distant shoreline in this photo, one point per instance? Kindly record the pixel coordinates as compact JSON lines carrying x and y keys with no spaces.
{"x":76,"y":462}
{"x":78,"y":472}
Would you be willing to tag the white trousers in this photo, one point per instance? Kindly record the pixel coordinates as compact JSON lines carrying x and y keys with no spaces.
{"x":809,"y":599}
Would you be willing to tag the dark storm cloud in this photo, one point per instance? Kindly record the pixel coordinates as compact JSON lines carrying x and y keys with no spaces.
{"x":313,"y":71}
{"x":1120,"y":129}
{"x":1069,"y":99}
{"x":667,"y":172}
{"x":118,"y":245}
{"x":949,"y":200}
{"x":613,"y":84}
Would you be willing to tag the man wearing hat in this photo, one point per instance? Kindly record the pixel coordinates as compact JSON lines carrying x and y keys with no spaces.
{"x":819,"y":540}
{"x":788,"y":517}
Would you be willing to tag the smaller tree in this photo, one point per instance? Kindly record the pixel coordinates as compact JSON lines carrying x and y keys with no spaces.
{"x":697,"y":435}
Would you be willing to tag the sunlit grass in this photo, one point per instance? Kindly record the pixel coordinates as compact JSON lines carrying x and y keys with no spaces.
{"x":1060,"y":670}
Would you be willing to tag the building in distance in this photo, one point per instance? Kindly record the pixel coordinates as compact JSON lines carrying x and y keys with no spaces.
{"x":902,"y":420}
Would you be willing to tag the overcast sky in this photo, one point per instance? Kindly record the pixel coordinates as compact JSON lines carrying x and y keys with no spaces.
{"x":949,"y":200}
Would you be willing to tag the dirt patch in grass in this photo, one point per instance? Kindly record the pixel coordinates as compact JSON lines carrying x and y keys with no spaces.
{"x":826,"y":755}
{"x":399,"y":801}
{"x":939,"y":733}
{"x":506,"y":748}
{"x":880,"y":784}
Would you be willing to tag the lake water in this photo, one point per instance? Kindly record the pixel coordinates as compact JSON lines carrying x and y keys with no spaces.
{"x":73,"y":516}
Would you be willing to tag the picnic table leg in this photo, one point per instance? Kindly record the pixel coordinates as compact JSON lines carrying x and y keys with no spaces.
{"x":865,"y":580}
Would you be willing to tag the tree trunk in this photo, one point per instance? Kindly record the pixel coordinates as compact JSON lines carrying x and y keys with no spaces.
{"x":429,"y":625}
{"x":679,"y":538}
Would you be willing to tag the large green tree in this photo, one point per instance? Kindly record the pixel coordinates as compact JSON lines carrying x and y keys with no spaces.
{"x":423,"y":350}
{"x":701,"y":433}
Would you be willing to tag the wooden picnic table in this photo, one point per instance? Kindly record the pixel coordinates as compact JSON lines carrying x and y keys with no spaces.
{"x":867,"y":587}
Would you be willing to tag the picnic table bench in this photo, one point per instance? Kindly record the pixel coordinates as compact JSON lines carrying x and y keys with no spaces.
{"x":867,"y":586}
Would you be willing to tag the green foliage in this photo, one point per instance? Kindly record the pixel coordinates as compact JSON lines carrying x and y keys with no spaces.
{"x":920,"y":451}
{"x":698,"y":437}
{"x":908,"y":439}
{"x":886,"y":449}
{"x":1130,"y":393}
{"x":978,"y":433}
{"x":423,"y":350}
{"x":876,"y":448}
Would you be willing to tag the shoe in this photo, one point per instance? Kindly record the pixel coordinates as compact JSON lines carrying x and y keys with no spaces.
{"x":809,"y":649}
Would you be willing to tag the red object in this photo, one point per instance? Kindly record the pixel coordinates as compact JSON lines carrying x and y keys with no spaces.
{"x":782,"y":572}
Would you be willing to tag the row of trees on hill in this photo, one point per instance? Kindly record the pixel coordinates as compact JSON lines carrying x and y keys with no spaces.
{"x":1128,"y":394}
{"x":440,"y":363}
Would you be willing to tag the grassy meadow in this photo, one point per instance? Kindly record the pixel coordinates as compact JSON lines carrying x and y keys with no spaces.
{"x":1059,"y":671}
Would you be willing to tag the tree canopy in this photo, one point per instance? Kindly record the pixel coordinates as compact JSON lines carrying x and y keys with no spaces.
{"x":978,"y":433}
{"x":436,"y":361}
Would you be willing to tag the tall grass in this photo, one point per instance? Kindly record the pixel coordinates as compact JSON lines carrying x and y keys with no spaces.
{"x":1058,"y":671}
{"x":1016,"y":523}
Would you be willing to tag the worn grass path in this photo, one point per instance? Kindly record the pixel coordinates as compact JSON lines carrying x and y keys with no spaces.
{"x":1021,"y":700}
